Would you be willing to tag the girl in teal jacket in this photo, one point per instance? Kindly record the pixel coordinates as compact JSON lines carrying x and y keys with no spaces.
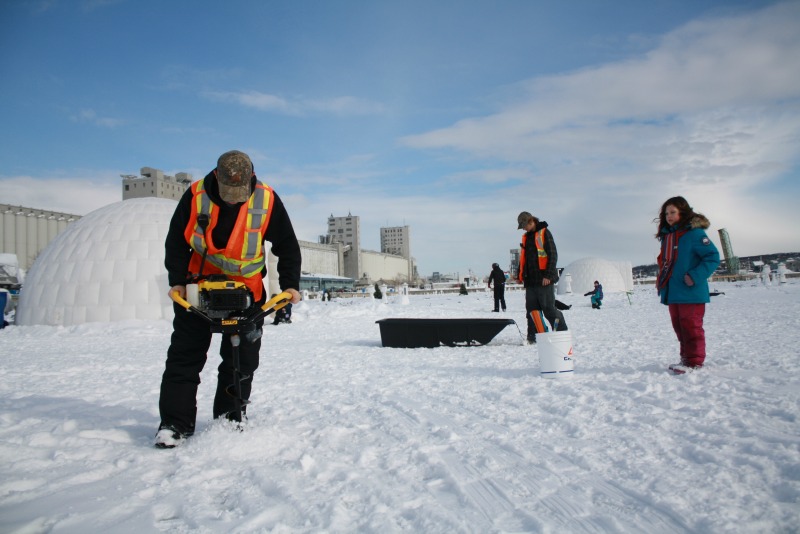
{"x":686,"y":261}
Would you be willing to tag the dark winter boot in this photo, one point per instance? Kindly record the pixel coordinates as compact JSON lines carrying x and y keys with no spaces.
{"x":168,"y":438}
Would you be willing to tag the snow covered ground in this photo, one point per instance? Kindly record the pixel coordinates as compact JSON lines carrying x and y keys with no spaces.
{"x":346,"y":435}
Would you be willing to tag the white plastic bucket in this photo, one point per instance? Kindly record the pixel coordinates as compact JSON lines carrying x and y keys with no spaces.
{"x":555,"y":354}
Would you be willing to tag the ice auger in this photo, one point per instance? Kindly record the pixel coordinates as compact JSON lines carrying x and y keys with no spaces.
{"x":223,"y":304}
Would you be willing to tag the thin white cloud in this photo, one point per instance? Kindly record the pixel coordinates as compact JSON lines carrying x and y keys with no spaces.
{"x":491,"y":176}
{"x":300,"y":106}
{"x":252,"y":99}
{"x":91,"y":116}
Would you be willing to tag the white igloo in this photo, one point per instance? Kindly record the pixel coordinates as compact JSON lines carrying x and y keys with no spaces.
{"x":107,"y":266}
{"x":614,"y":276}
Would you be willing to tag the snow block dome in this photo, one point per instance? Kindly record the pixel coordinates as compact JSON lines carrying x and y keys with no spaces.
{"x":614,"y":276}
{"x":107,"y":266}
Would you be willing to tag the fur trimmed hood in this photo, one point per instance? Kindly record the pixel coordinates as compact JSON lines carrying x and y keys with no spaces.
{"x":699,"y":221}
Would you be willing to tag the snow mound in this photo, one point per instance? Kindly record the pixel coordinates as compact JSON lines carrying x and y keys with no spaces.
{"x":107,"y":266}
{"x":614,"y":276}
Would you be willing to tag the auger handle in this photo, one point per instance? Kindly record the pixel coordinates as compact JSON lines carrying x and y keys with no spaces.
{"x":176,"y":297}
{"x":272,"y":305}
{"x":278,"y":301}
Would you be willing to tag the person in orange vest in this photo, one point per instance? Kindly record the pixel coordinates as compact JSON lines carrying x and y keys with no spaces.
{"x":537,"y":271}
{"x":228,"y":214}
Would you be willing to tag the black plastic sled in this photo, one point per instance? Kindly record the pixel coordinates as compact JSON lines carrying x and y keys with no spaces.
{"x":430,"y":333}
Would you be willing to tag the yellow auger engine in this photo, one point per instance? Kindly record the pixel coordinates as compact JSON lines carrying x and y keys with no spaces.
{"x":219,"y":297}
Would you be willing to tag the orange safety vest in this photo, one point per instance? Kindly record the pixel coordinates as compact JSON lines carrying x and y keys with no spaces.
{"x":243,"y":257}
{"x":542,"y":254}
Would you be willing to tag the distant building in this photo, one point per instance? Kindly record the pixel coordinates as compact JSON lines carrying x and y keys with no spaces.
{"x":396,"y":240}
{"x":347,"y":230}
{"x":154,"y":183}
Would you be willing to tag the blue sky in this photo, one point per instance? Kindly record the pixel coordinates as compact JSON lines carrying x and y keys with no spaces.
{"x":448,"y":116}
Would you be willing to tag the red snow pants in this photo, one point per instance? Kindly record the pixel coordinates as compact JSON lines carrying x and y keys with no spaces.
{"x":687,"y":321}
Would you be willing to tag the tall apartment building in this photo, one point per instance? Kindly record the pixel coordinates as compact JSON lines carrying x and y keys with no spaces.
{"x":347,"y":230}
{"x":154,"y":183}
{"x":396,"y":240}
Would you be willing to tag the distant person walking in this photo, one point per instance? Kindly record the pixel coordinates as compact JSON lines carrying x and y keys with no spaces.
{"x":597,"y":295}
{"x":498,"y":278}
{"x":687,"y":259}
{"x":537,"y":271}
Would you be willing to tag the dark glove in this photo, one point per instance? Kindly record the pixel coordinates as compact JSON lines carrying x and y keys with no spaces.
{"x":688,"y":280}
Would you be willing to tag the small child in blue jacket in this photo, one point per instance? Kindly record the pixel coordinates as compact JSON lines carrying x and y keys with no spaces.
{"x":597,"y":295}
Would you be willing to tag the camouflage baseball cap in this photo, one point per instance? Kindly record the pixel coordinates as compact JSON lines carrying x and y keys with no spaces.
{"x":523,"y":219}
{"x":234,"y":171}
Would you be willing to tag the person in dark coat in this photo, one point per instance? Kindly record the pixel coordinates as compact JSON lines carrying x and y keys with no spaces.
{"x":537,"y":271}
{"x":498,"y":278}
{"x":241,"y":213}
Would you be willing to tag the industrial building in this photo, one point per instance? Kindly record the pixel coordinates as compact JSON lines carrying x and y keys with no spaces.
{"x":25,"y":232}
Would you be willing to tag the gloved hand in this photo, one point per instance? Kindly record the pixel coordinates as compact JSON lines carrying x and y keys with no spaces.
{"x":688,"y":280}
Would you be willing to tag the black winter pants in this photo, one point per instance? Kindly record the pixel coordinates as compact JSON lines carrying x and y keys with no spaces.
{"x":186,"y":357}
{"x":543,"y":298}
{"x":499,"y":297}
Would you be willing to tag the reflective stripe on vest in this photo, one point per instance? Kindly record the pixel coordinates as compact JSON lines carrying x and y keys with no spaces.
{"x":540,"y":249}
{"x":243,"y":256}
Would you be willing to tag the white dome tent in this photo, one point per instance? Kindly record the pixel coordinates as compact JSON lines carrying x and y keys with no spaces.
{"x":614,"y":276}
{"x":107,"y":266}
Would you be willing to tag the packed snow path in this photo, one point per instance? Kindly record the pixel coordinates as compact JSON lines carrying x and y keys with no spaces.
{"x":346,"y":435}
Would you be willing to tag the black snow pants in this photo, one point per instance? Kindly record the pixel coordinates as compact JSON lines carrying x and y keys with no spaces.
{"x":542,"y":298}
{"x":499,"y":297}
{"x":186,"y":357}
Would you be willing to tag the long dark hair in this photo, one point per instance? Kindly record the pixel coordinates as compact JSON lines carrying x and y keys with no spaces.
{"x":684,"y":209}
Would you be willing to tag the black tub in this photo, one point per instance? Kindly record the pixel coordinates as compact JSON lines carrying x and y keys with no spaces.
{"x":415,"y":333}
